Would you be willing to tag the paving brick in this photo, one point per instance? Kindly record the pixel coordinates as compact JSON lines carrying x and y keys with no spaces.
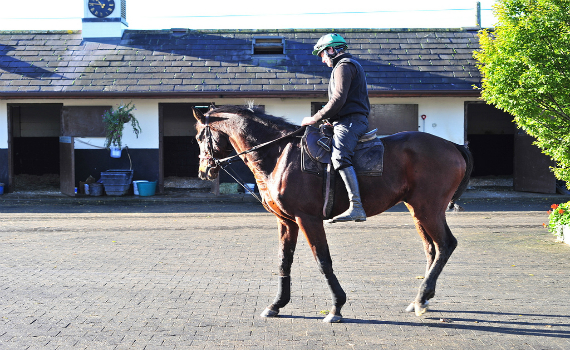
{"x":195,"y":275}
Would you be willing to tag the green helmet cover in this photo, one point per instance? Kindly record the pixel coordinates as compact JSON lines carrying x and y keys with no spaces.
{"x":328,"y":40}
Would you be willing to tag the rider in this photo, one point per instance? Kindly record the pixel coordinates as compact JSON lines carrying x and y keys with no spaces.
{"x":348,"y":109}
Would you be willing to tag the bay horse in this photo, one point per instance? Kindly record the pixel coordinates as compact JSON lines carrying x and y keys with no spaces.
{"x":424,"y":171}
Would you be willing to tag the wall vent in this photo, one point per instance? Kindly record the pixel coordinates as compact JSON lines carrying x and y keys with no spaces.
{"x":271,"y":45}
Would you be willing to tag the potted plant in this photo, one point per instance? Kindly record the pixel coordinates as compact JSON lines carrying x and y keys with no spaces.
{"x":559,"y":221}
{"x":115,"y":120}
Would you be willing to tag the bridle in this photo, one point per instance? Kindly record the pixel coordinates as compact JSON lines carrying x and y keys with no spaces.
{"x":222,"y":163}
{"x":210,"y":146}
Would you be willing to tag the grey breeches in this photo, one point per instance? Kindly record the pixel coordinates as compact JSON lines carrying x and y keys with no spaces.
{"x":347,"y":130}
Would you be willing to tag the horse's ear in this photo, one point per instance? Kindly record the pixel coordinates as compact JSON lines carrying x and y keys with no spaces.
{"x":198,"y":115}
{"x":212,"y":106}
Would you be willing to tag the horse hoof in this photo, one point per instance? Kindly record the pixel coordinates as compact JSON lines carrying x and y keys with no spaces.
{"x":419,"y":309}
{"x":269,"y":313}
{"x":331,"y":318}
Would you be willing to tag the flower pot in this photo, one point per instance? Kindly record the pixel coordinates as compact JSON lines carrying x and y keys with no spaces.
{"x":566,"y":234}
{"x":115,"y":152}
{"x":563,"y":234}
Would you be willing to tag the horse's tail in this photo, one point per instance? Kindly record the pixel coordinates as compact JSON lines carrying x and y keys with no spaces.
{"x":465,"y":181}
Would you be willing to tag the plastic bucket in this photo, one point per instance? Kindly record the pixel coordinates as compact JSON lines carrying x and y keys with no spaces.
{"x":136,"y":187}
{"x":147,"y":188}
{"x":250,"y":187}
{"x":96,"y":189}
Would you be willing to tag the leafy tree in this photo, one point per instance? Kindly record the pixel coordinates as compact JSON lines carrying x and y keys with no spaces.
{"x":525,"y":63}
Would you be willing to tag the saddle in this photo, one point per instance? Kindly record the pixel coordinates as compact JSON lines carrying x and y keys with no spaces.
{"x":316,"y":149}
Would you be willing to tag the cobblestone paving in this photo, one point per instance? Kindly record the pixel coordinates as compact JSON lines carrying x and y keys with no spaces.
{"x":200,"y":279}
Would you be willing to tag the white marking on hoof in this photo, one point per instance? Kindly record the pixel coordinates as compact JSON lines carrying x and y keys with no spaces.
{"x":331,"y":318}
{"x":419,"y":309}
{"x":269,"y":313}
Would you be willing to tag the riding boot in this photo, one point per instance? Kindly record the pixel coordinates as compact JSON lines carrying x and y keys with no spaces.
{"x":355,"y":212}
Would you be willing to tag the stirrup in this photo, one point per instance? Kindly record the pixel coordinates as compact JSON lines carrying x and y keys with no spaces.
{"x":356,"y":215}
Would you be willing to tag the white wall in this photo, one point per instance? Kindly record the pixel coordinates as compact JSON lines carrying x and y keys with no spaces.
{"x":146,"y":112}
{"x":445,"y":115}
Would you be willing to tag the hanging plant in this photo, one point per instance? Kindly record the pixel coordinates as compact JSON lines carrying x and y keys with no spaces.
{"x":115,"y":120}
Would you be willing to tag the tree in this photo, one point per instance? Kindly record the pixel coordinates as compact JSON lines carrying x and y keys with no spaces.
{"x":525,"y":64}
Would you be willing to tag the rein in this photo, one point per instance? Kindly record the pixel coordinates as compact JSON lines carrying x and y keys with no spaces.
{"x":224,"y":162}
{"x":255,"y":148}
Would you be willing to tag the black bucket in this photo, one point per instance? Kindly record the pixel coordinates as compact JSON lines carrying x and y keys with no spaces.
{"x":96,"y":189}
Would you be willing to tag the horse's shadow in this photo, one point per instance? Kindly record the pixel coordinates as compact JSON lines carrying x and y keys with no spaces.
{"x":482,"y":325}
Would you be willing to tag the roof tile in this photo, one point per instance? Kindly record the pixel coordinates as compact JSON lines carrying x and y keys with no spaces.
{"x":221,"y":60}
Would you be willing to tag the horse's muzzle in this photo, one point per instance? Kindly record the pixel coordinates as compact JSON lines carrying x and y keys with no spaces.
{"x":208,"y":171}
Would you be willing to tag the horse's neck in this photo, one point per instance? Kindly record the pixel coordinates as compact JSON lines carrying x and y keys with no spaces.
{"x":262,"y":161}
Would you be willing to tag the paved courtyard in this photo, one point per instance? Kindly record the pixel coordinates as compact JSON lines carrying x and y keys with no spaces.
{"x":197,"y":276}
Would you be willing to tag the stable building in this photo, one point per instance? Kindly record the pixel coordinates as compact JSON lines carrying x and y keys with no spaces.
{"x":55,"y":85}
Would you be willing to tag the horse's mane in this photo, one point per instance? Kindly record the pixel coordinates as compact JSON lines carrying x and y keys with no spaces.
{"x":258,"y":115}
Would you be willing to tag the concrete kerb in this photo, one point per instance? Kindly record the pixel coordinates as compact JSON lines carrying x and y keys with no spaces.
{"x":187,"y":197}
{"x":242,"y":197}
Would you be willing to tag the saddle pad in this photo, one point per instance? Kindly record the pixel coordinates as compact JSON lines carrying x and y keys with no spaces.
{"x":368,"y":159}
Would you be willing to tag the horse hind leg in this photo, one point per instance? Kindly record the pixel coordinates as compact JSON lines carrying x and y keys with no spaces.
{"x":429,"y":250}
{"x":439,"y":244}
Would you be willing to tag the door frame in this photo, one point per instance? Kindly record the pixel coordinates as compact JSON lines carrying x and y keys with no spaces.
{"x":10,"y":116}
{"x":161,"y":140}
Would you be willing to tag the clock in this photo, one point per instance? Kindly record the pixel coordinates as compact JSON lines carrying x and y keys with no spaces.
{"x":101,"y":8}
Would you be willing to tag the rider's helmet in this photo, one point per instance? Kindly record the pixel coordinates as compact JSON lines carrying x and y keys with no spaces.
{"x":329,"y":40}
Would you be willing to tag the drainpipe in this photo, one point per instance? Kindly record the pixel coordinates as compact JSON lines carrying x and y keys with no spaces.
{"x":478,"y":15}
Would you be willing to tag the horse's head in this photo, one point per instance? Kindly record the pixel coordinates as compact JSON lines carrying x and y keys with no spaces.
{"x":214,"y":144}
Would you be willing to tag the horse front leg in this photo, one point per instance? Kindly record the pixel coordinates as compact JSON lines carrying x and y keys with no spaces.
{"x":288,"y":232}
{"x":315,"y":233}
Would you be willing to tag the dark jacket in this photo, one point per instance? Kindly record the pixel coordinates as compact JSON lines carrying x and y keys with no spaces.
{"x":348,"y":93}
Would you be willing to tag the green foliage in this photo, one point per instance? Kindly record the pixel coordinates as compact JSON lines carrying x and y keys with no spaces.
{"x":558,"y":216}
{"x":115,"y":119}
{"x":525,"y":63}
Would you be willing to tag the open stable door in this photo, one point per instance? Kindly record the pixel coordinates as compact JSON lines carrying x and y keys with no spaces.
{"x":76,"y":121}
{"x":66,"y":165}
{"x":531,"y":167}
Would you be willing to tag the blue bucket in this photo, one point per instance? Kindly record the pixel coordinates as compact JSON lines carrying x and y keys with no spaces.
{"x":147,"y":188}
{"x":1,"y":188}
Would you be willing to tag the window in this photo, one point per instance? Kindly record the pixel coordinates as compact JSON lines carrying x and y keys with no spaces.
{"x":317,"y":106}
{"x":268,"y":45}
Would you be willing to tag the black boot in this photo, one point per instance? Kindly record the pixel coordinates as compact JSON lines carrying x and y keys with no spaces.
{"x":355,"y":212}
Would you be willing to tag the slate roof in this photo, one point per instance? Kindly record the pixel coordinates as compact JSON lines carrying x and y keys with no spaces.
{"x":167,"y":63}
